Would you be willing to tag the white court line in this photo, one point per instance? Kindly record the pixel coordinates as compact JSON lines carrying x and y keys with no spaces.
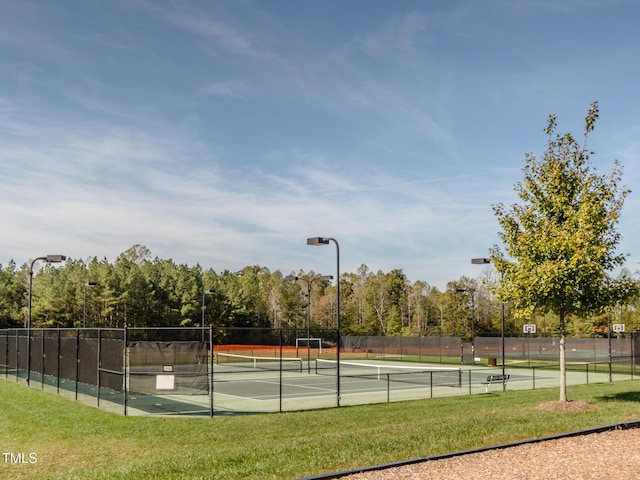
{"x":328,"y":390}
{"x":299,"y":386}
{"x":349,"y":390}
{"x":232,"y":396}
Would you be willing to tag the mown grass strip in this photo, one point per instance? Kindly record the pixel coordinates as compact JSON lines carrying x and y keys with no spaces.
{"x":72,"y":440}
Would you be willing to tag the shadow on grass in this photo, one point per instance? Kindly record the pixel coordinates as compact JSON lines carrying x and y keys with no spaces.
{"x":621,"y":397}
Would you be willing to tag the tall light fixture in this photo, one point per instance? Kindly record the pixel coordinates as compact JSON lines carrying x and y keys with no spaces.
{"x":206,"y":292}
{"x":309,"y":283}
{"x":84,"y":307}
{"x":471,"y":292}
{"x":485,"y":261}
{"x":48,"y":259}
{"x":317,"y":241}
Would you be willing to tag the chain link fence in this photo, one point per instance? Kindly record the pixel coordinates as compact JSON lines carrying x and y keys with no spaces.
{"x":223,"y":371}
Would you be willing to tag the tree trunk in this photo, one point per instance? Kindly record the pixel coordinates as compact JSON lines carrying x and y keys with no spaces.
{"x":563,"y":362}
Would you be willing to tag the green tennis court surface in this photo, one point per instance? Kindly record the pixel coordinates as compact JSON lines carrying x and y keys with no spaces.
{"x":244,"y":388}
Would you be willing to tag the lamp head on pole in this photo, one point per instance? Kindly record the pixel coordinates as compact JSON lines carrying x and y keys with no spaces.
{"x":317,"y":241}
{"x":480,"y":261}
{"x":294,"y":278}
{"x":55,"y":258}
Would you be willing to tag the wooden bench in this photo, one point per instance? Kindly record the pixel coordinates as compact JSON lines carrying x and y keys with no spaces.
{"x":491,"y":379}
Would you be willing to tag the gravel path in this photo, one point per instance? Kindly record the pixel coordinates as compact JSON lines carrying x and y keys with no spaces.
{"x":612,"y":455}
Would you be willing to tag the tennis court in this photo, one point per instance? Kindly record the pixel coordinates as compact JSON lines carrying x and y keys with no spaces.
{"x":247,"y":387}
{"x":207,"y":372}
{"x":247,"y":384}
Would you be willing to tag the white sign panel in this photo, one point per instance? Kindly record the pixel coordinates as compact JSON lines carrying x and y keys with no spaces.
{"x":530,"y":328}
{"x":165,"y":382}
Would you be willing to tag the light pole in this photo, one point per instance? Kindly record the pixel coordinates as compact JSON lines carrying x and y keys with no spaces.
{"x":485,"y":261}
{"x":472,"y":292}
{"x":48,"y":259}
{"x":84,"y":306}
{"x":309,"y":283}
{"x":316,"y":241}
{"x":206,"y":292}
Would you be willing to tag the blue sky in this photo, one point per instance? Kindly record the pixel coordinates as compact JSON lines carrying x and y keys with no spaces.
{"x":226,"y":133}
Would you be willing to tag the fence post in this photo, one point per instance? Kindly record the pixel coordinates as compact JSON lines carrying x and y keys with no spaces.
{"x":99,"y":365}
{"x":124,"y":367}
{"x":388,"y":388}
{"x":280,"y":380}
{"x":42,"y":360}
{"x":633,"y":354}
{"x":430,"y":384}
{"x":6,"y":357}
{"x":17,"y":356}
{"x":77,"y":359}
{"x":587,"y":370}
{"x":58,"y":358}
{"x":534,"y":377}
{"x":210,"y":372}
{"x":28,"y":356}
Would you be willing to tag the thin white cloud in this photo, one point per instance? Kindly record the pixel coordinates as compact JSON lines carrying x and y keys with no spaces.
{"x":401,"y":33}
{"x":227,"y":88}
{"x":221,"y":32}
{"x":115,"y":189}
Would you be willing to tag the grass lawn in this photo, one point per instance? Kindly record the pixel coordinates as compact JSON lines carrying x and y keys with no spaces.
{"x":74,"y":441}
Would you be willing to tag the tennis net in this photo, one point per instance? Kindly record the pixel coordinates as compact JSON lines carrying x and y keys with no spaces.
{"x":253,"y":362}
{"x":433,"y":376}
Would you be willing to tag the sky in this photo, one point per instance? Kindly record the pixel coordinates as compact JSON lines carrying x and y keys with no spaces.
{"x":225,"y":133}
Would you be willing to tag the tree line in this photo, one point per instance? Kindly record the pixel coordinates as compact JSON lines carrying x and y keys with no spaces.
{"x":137,"y":290}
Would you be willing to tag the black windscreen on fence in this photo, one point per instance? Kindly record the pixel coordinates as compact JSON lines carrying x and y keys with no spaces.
{"x":168,"y":367}
{"x":51,"y":353}
{"x":36,"y":351}
{"x":87,"y":360}
{"x":68,"y":355}
{"x":21,"y":348}
{"x":418,"y":347}
{"x":111,"y":363}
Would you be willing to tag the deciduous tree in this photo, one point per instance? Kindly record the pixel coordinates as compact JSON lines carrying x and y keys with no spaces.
{"x":560,"y":240}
